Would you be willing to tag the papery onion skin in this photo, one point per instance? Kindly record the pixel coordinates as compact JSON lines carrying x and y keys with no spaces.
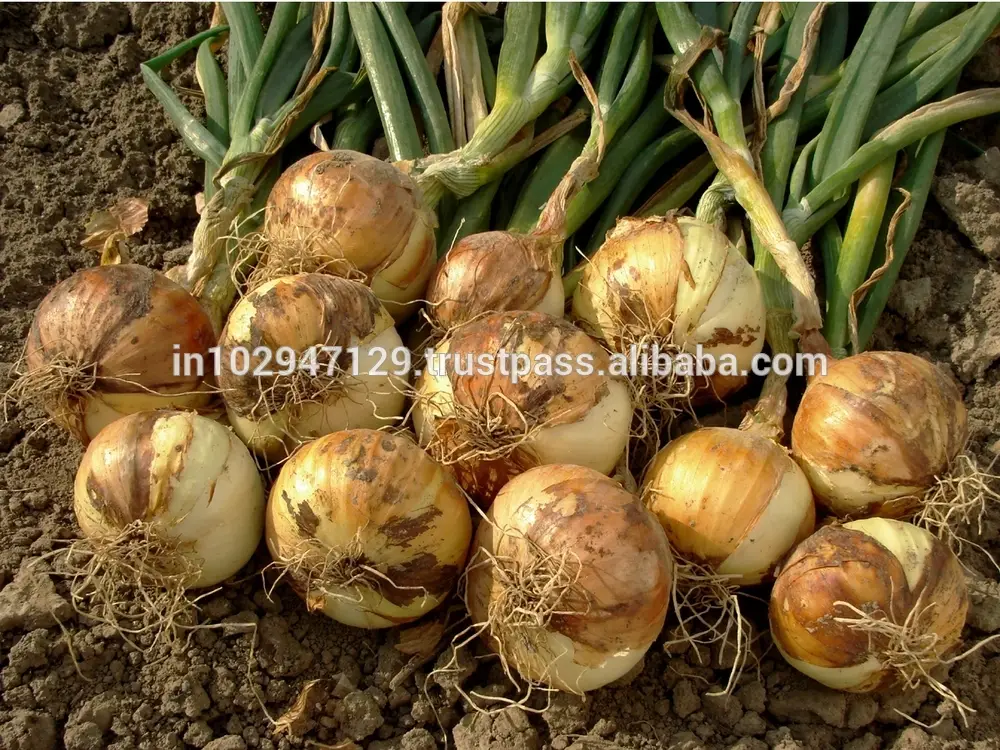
{"x":573,"y":418}
{"x":122,"y":322}
{"x":680,"y":281}
{"x":300,"y":312}
{"x":348,"y":206}
{"x":380,"y":492}
{"x":876,"y":427}
{"x":494,"y":272}
{"x":731,"y":499}
{"x":187,"y":476}
{"x":619,"y":602}
{"x":878,"y":565}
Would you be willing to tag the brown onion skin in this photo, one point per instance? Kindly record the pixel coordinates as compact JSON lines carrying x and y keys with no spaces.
{"x":886,"y":418}
{"x":125,"y":321}
{"x":841,"y":564}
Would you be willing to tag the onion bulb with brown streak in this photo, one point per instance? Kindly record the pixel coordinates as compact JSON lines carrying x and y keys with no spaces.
{"x":489,"y":427}
{"x":877,"y":432}
{"x":675,"y":282}
{"x":368,"y":528}
{"x":327,"y":391}
{"x":569,"y":578}
{"x":875,"y":601}
{"x":350,"y":214}
{"x":112,"y":341}
{"x":730,"y":500}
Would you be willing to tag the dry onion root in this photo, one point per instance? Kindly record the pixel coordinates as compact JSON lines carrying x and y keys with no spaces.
{"x":327,"y":390}
{"x":167,"y":501}
{"x":349,"y":214}
{"x":490,"y":427}
{"x":107,"y":342}
{"x":876,"y":601}
{"x":367,"y":528}
{"x":569,"y":578}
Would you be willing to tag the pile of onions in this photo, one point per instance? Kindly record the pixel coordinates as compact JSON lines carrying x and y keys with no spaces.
{"x":868,"y":603}
{"x":368,"y":528}
{"x":677,"y":282}
{"x":347,"y":213}
{"x":877,"y":431}
{"x":731,"y":500}
{"x":325,"y":391}
{"x":181,"y":486}
{"x":112,"y":341}
{"x":569,"y":578}
{"x":489,"y":427}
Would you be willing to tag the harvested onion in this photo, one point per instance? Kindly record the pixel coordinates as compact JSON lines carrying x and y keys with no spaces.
{"x":871,"y":602}
{"x":368,"y":528}
{"x":877,"y":431}
{"x":111,"y":341}
{"x":490,"y":427}
{"x":327,"y":390}
{"x":348,"y":213}
{"x":569,"y":578}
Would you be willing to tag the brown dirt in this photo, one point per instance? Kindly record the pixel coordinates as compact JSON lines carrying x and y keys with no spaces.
{"x":77,"y":130}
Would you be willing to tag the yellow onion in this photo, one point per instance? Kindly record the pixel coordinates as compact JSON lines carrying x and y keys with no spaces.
{"x":732,"y":500}
{"x":368,"y":528}
{"x":871,"y":602}
{"x":112,"y":341}
{"x":676,"y":282}
{"x":876,"y":431}
{"x":489,"y":427}
{"x":348,"y":213}
{"x":184,"y":484}
{"x":569,"y":578}
{"x":273,"y":412}
{"x":495,"y":272}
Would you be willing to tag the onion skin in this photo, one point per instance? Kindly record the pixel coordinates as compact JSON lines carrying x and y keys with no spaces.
{"x":877,"y":565}
{"x":405,"y":513}
{"x":578,"y":418}
{"x":187,"y":476}
{"x":495,"y":272}
{"x":356,"y":208}
{"x":621,"y":595}
{"x":877,"y":427}
{"x":301,"y":312}
{"x":730,"y":499}
{"x":123,"y":321}
{"x":680,"y":281}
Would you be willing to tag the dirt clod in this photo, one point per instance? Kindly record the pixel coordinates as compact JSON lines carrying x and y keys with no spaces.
{"x":30,"y":601}
{"x":359,"y":715}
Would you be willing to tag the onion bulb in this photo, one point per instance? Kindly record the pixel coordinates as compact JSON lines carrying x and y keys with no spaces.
{"x":678,"y":283}
{"x":171,"y":493}
{"x":368,"y":528}
{"x":328,"y":390}
{"x":569,"y":578}
{"x":875,"y":433}
{"x":490,"y":426}
{"x":107,"y":342}
{"x":348,"y":213}
{"x":495,"y":272}
{"x":871,"y":602}
{"x":732,"y":500}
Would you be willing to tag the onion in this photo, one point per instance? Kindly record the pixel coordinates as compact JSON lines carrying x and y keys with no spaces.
{"x":368,"y":528}
{"x":490,"y":427}
{"x":875,"y":433}
{"x":871,"y":602}
{"x":731,"y":500}
{"x":675,"y":282}
{"x":569,"y":578}
{"x":347,"y":213}
{"x":111,"y":341}
{"x":326,"y":392}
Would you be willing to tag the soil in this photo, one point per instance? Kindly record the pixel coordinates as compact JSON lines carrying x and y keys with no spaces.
{"x":78,"y":130}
